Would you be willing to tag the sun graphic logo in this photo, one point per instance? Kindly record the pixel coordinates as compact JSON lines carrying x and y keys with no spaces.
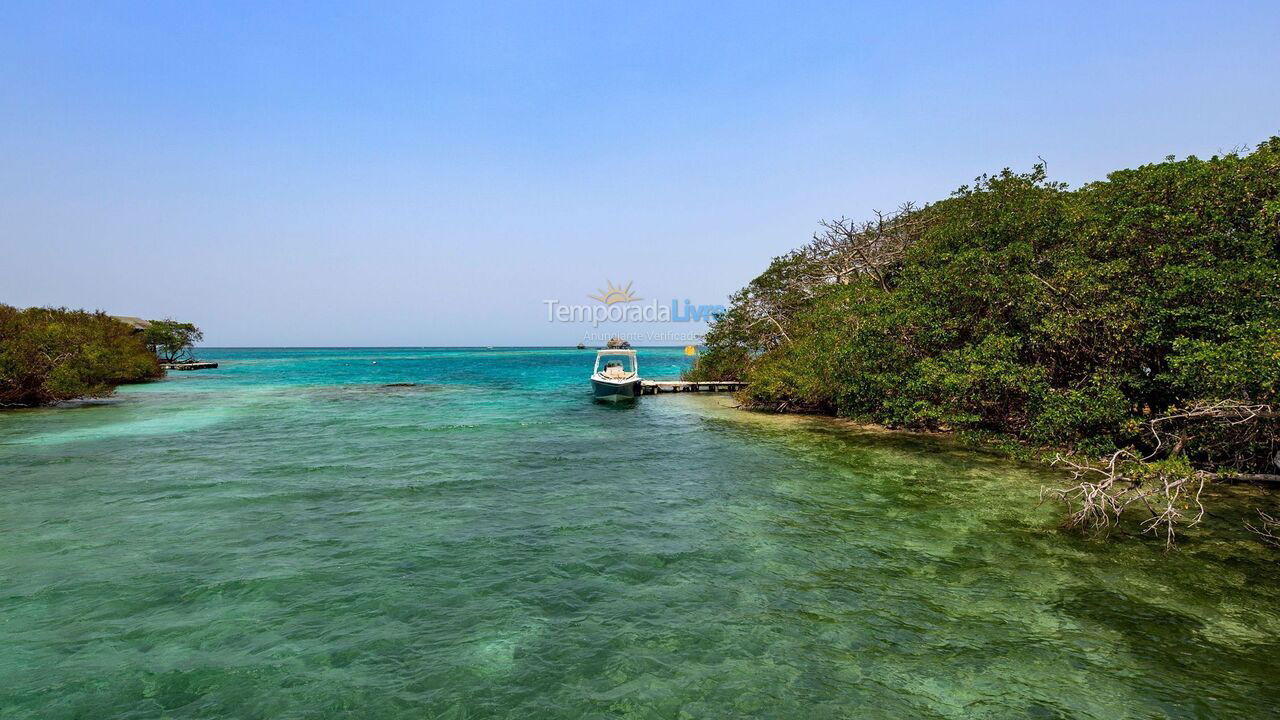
{"x":614,"y":294}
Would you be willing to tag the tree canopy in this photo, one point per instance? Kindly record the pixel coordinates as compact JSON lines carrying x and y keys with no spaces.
{"x":171,"y":340}
{"x":50,"y":355}
{"x":1065,"y":318}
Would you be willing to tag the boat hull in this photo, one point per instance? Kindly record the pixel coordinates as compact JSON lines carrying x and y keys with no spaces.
{"x":606,"y":391}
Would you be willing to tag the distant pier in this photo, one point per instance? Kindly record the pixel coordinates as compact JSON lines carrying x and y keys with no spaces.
{"x":189,"y":366}
{"x":655,"y":387}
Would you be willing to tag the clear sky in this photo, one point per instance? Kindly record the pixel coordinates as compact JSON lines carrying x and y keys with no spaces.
{"x":420,"y":174}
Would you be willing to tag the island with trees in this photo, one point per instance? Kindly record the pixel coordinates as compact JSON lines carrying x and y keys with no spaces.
{"x":52,"y":355}
{"x":1127,"y":330}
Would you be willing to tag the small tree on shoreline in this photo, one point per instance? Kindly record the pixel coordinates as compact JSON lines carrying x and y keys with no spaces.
{"x":171,"y":340}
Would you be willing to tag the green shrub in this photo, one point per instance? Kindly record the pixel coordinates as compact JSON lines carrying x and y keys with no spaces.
{"x":1245,"y":364}
{"x":51,"y":355}
{"x":1094,"y":414}
{"x":1020,"y":307}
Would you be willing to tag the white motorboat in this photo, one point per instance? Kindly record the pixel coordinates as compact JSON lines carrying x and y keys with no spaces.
{"x":619,"y":376}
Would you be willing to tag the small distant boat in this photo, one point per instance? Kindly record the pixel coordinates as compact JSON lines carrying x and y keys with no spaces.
{"x":581,"y":346}
{"x":617,"y":342}
{"x":618,"y":378}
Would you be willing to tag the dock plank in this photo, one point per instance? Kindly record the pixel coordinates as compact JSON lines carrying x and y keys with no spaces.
{"x":655,"y":387}
{"x":189,"y":366}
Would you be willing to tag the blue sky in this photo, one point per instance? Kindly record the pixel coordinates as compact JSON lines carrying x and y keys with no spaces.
{"x":384,"y":174}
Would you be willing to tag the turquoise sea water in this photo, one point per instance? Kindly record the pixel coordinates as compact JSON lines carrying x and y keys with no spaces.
{"x":287,"y":537}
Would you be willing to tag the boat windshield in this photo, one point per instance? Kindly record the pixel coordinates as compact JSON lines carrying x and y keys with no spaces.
{"x":616,"y":365}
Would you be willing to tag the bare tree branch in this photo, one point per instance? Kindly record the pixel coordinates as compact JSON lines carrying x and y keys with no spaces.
{"x":1105,"y":489}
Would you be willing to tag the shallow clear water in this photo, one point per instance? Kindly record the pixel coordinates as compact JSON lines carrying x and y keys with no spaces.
{"x":285,"y":537}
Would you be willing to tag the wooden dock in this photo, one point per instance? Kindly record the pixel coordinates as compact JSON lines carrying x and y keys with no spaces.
{"x":189,"y":366}
{"x":654,"y":387}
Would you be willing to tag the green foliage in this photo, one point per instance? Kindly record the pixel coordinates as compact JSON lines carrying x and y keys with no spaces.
{"x":981,"y":386}
{"x":1245,"y":364}
{"x":1022,"y":308}
{"x":50,"y":355}
{"x":171,"y":340}
{"x":1094,"y":414}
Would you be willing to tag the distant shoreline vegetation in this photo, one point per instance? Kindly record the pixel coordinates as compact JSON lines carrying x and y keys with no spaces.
{"x":1128,"y":329}
{"x":51,"y":355}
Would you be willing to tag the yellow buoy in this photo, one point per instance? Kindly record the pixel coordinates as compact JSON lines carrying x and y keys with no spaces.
{"x":690,"y":350}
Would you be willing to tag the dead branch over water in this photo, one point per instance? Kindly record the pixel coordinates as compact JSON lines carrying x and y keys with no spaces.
{"x":1163,"y":482}
{"x":1105,"y":490}
{"x":1267,"y":529}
